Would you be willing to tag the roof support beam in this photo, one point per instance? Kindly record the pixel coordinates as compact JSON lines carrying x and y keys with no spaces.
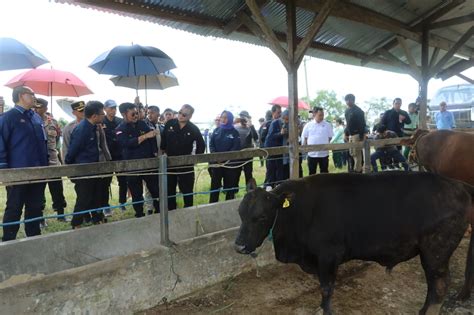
{"x":455,"y":69}
{"x":437,"y":13}
{"x":316,"y":25}
{"x":409,"y":55}
{"x":452,"y":51}
{"x":236,"y":21}
{"x":454,"y":21}
{"x":406,"y":68}
{"x":269,"y":35}
{"x":467,"y":79}
{"x":434,"y":57}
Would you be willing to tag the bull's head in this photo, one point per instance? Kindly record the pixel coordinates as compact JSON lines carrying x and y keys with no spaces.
{"x":257,"y":211}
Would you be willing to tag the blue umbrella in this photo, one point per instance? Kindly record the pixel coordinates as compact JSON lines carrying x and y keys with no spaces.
{"x":16,"y":55}
{"x":132,"y":60}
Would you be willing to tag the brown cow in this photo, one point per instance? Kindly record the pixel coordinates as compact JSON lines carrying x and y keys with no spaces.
{"x":445,"y":152}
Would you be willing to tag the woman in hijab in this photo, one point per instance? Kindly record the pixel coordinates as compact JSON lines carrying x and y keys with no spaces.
{"x":225,"y":138}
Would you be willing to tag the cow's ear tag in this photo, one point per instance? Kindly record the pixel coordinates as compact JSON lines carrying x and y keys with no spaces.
{"x":286,"y":203}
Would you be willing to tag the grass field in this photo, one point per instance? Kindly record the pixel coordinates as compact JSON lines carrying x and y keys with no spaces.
{"x":203,"y":184}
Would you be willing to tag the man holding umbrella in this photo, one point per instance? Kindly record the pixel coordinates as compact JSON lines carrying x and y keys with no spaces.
{"x":22,"y":144}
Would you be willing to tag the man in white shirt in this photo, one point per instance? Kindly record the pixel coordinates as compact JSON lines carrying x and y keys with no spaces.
{"x":317,"y":131}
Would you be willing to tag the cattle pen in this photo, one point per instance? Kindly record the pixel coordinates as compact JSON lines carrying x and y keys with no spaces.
{"x":135,"y":264}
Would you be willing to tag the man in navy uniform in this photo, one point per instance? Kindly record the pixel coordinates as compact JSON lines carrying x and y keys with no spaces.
{"x":22,"y":144}
{"x":88,"y":145}
{"x":78,"y":112}
{"x":138,"y":141}
{"x":110,"y":123}
{"x":179,"y":137}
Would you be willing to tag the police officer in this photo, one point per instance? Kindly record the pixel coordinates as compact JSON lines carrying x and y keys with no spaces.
{"x":88,"y":145}
{"x":52,"y":131}
{"x":138,"y":141}
{"x":22,"y":144}
{"x":110,"y":123}
{"x":178,"y":138}
{"x":78,"y":112}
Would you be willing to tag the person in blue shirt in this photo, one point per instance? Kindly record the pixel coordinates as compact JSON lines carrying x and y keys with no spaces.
{"x":23,"y":143}
{"x":138,"y":141}
{"x":444,"y":118}
{"x":223,"y":139}
{"x":88,"y":145}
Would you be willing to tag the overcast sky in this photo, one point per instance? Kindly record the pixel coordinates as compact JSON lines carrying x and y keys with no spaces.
{"x":214,"y":74}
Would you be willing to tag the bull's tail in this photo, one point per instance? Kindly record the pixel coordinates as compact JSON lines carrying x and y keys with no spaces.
{"x":469,"y":273}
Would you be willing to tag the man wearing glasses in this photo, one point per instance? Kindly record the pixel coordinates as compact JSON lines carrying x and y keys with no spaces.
{"x":22,"y":144}
{"x":138,"y":141}
{"x":179,"y":137}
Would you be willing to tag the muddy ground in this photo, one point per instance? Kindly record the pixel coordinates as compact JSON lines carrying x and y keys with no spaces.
{"x":361,"y":288}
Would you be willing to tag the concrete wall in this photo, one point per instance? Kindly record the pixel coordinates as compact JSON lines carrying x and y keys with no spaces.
{"x":71,"y":249}
{"x":133,"y":282}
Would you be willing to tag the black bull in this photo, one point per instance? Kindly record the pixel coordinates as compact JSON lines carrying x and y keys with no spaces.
{"x":322,"y":221}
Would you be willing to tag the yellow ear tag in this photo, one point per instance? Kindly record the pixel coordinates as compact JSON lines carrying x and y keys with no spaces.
{"x":286,"y":203}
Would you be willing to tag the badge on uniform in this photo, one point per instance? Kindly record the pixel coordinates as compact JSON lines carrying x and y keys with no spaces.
{"x":118,"y":132}
{"x":22,"y":120}
{"x":189,"y":134}
{"x":286,"y":203}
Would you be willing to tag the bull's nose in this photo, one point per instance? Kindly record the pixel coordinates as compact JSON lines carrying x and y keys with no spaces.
{"x":240,"y":249}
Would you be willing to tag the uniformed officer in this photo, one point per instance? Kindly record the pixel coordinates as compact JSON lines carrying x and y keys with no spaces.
{"x":178,"y":138}
{"x":138,"y":141}
{"x":78,"y":112}
{"x":88,"y":145}
{"x":22,"y":144}
{"x":52,"y":130}
{"x":110,"y":123}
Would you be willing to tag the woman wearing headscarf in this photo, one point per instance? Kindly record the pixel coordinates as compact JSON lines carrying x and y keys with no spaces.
{"x":225,"y":138}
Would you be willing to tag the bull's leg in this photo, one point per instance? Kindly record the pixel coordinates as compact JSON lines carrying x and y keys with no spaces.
{"x":327,"y":270}
{"x":437,"y":281}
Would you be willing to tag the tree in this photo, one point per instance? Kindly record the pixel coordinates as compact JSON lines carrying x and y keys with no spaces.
{"x":333,"y":108}
{"x":374,"y":107}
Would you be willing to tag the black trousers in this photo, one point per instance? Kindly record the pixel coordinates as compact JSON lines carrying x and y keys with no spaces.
{"x":313,"y":163}
{"x":123,"y":187}
{"x":185,"y":183}
{"x":230,"y":177}
{"x":275,"y":171}
{"x":247,"y":169}
{"x":135,"y":184}
{"x":57,"y":195}
{"x":90,"y":195}
{"x":31,"y":197}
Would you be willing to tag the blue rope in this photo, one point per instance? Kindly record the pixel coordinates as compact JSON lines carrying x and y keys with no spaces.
{"x":119,"y":206}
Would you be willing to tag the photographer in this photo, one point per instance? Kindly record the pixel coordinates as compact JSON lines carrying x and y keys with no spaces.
{"x":248,"y":135}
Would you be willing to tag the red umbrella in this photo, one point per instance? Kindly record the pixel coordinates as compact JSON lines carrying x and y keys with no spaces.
{"x":50,"y":82}
{"x":283,"y":102}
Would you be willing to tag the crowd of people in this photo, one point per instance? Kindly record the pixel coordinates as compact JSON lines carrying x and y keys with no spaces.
{"x":30,"y":136}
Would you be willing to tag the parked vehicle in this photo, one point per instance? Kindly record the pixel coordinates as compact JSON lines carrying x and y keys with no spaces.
{"x":460,"y":101}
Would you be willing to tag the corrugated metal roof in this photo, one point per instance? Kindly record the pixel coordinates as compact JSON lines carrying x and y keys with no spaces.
{"x":208,"y":17}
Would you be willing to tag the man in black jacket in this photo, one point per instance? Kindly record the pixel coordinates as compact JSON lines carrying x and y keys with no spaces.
{"x":179,"y":137}
{"x":395,"y":118}
{"x":138,"y":141}
{"x":355,"y":129}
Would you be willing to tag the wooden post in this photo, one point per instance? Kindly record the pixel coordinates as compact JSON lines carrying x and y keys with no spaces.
{"x":292,"y":89}
{"x":163,"y":179}
{"x":425,"y":78}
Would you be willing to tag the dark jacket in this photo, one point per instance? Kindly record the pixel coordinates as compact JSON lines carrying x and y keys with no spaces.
{"x":23,"y":142}
{"x":391,"y":120}
{"x":224,"y":140}
{"x":179,"y":141}
{"x":274,"y":137}
{"x":127,"y":136}
{"x":355,"y":121}
{"x":112,"y":143}
{"x":84,"y":146}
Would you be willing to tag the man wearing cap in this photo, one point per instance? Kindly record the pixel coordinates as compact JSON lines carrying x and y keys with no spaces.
{"x":248,"y":136}
{"x":109,"y":124}
{"x":355,"y":130}
{"x":88,"y":145}
{"x":178,"y":138}
{"x":53,"y":132}
{"x":317,"y":131}
{"x":22,"y":144}
{"x":277,"y":136}
{"x":78,"y":112}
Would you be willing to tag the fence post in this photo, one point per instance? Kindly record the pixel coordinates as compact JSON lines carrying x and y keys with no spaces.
{"x":367,"y":165}
{"x":163,"y":179}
